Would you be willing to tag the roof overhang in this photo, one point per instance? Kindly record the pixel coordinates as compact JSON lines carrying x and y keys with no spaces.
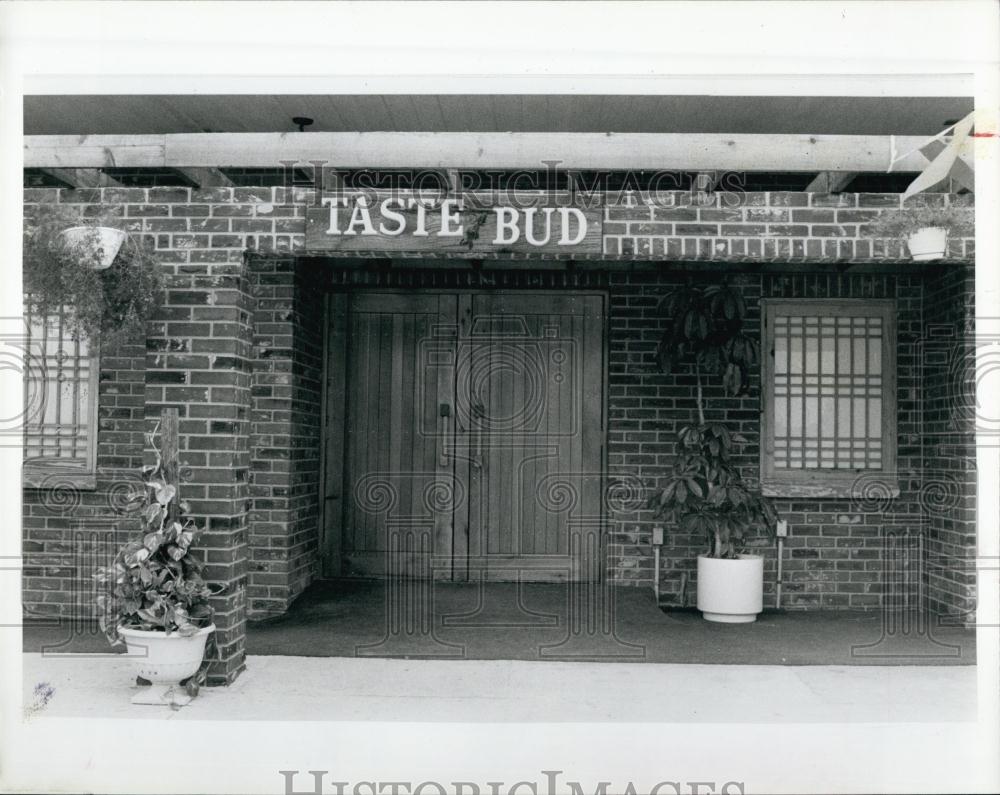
{"x":620,"y":107}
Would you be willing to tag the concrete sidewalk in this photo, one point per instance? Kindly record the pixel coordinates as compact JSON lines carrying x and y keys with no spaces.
{"x":345,"y":689}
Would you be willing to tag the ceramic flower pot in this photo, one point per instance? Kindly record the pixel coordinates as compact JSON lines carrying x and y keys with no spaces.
{"x":165,"y":658}
{"x":731,"y":591}
{"x":108,"y":239}
{"x":927,"y":244}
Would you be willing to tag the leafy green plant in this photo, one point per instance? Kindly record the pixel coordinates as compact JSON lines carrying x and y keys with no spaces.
{"x":154,"y":582}
{"x":705,"y":492}
{"x":60,"y":276}
{"x":903,"y":223}
{"x":705,"y":325}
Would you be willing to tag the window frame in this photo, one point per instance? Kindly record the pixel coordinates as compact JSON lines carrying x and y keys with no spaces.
{"x":826,"y":482}
{"x":40,"y":473}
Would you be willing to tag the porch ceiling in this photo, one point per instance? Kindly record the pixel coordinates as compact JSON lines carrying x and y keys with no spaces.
{"x":825,"y":115}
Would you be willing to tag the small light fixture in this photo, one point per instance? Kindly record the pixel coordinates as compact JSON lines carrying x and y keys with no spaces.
{"x":302,"y":122}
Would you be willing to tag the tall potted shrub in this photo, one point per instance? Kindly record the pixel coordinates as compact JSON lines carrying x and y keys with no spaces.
{"x":153,"y":597}
{"x":705,"y":492}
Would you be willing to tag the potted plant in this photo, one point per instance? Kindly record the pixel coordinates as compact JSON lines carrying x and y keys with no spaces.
{"x":925,"y":229}
{"x":103,"y":280}
{"x":705,"y":492}
{"x":153,"y":597}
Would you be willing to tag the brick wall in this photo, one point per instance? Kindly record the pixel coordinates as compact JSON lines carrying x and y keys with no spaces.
{"x":68,"y":531}
{"x":764,"y":227}
{"x":235,"y":348}
{"x":288,"y":348}
{"x":198,"y":361}
{"x":834,"y":553}
{"x":947,"y":356}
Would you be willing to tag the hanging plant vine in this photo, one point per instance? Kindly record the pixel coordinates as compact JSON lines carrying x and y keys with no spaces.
{"x":64,"y":278}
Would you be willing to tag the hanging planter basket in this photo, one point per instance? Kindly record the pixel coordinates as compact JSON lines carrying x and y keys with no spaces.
{"x":927,"y":244}
{"x":106,"y":240}
{"x":103,"y":282}
{"x":925,"y":229}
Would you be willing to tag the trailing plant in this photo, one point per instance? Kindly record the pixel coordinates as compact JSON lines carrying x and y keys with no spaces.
{"x":903,"y":223}
{"x":63,"y":277}
{"x":705,"y":492}
{"x":155,"y":583}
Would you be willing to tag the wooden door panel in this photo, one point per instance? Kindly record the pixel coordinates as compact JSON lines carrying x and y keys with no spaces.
{"x":399,"y":488}
{"x":530,"y":383}
{"x":508,"y":485}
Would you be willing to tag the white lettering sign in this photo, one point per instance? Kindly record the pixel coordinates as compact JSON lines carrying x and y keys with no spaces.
{"x":395,"y":216}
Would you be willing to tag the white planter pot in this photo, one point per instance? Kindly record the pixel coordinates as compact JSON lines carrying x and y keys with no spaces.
{"x":107,"y":238}
{"x":165,"y":658}
{"x":731,"y":591}
{"x":927,"y":244}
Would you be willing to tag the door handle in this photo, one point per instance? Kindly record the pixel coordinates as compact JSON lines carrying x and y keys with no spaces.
{"x":478,"y":412}
{"x":444,"y":414}
{"x":477,"y":456}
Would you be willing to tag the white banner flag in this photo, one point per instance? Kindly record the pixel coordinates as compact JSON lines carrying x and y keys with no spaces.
{"x":941,"y":166}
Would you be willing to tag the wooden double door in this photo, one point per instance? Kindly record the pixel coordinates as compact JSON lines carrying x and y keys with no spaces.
{"x":473,"y":431}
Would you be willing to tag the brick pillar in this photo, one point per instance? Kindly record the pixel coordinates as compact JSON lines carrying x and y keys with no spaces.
{"x":947,"y":370}
{"x":285,"y":432}
{"x":198,"y":361}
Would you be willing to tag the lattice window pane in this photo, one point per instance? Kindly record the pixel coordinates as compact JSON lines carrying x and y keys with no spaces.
{"x":59,"y":390}
{"x":827,"y":391}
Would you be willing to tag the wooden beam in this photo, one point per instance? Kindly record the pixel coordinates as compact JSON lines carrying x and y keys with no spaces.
{"x":95,"y":151}
{"x":82,"y":177}
{"x":170,"y":454}
{"x":443,"y":150}
{"x":204,"y":176}
{"x":830,"y":181}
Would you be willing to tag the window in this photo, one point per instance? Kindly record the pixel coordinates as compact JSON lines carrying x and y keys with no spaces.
{"x":60,"y":401}
{"x":829,"y":396}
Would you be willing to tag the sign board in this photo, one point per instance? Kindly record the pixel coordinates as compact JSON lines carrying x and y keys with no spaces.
{"x":453,"y":225}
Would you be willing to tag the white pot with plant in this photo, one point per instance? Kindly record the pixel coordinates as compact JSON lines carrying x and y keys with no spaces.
{"x":154,"y":599}
{"x":104,"y":282}
{"x":925,"y":229}
{"x":103,"y":241}
{"x":705,"y":494}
